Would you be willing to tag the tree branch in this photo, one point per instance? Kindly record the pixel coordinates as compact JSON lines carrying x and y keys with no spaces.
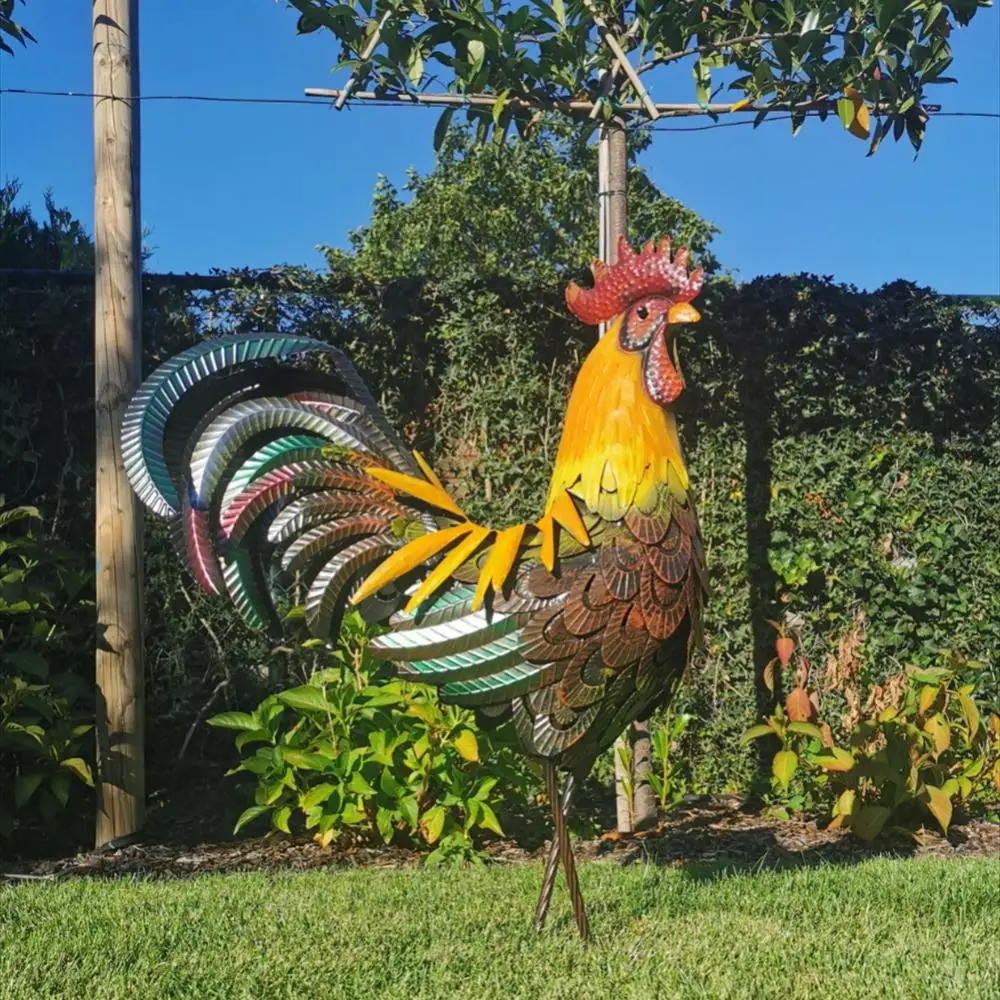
{"x":718,"y":46}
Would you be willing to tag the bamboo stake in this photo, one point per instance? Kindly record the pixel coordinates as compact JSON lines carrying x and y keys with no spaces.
{"x":366,"y":54}
{"x":567,"y":107}
{"x":117,"y":362}
{"x":607,"y":36}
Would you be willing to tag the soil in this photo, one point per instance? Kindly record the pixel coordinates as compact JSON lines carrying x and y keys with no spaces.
{"x":702,"y":835}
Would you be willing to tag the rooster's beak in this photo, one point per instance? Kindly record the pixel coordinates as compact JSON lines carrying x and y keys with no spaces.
{"x":683,"y":312}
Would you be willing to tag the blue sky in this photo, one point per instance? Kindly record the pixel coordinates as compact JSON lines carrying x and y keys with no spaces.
{"x":230,"y":185}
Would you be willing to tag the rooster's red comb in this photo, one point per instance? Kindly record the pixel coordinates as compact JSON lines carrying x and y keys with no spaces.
{"x":638,"y":273}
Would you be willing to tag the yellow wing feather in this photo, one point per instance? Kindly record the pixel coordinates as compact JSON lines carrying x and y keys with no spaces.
{"x":409,"y":557}
{"x":458,"y":555}
{"x":419,"y":488}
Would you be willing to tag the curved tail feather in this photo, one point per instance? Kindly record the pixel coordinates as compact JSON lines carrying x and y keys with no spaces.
{"x":257,"y":447}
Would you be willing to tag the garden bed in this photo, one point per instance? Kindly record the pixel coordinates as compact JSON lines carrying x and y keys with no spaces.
{"x":711,"y":832}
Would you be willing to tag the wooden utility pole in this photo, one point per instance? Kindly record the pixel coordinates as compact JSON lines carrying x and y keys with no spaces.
{"x":117,"y":363}
{"x":612,"y":193}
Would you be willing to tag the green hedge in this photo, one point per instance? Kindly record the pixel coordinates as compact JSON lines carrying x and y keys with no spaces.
{"x":844,"y":446}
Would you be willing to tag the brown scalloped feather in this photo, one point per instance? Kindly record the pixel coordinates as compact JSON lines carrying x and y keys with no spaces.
{"x":621,"y":566}
{"x":577,"y":690}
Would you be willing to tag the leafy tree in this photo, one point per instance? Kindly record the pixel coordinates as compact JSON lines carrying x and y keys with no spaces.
{"x":11,"y":28}
{"x":873,"y":56}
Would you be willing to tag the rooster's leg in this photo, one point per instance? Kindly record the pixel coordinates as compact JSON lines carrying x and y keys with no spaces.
{"x":552,"y":863}
{"x":565,"y":851}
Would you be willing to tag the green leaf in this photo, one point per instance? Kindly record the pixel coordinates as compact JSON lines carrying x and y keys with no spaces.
{"x":233,"y":720}
{"x":25,"y":786}
{"x":477,"y":52}
{"x":316,"y":795}
{"x":306,"y":761}
{"x":806,"y":729}
{"x":783,"y":766}
{"x":559,"y":9}
{"x":307,"y":698}
{"x":383,"y":821}
{"x":280,"y":818}
{"x":441,"y":128}
{"x":415,"y":72}
{"x":869,"y":820}
{"x":845,"y":111}
{"x":80,"y":768}
{"x":360,"y":784}
{"x":410,"y":811}
{"x":28,"y":662}
{"x":756,"y":732}
{"x":248,"y":815}
{"x":488,"y":819}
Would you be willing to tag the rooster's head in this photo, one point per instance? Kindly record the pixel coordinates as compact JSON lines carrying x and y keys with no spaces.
{"x":644,"y":292}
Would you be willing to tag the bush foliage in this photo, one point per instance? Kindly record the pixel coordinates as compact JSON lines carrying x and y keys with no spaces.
{"x":354,"y":749}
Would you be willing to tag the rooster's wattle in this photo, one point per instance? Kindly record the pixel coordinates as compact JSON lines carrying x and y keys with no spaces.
{"x":273,"y":460}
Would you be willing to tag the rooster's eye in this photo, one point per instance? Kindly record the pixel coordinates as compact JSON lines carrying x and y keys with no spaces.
{"x":642,"y":312}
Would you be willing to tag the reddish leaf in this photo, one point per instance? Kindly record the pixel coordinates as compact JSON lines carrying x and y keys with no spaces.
{"x":798,"y":706}
{"x":784,"y":647}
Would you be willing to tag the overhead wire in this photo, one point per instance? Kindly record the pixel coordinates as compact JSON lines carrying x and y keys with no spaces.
{"x":312,"y":102}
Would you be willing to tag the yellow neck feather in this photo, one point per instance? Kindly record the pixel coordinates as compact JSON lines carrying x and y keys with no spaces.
{"x":617,"y":445}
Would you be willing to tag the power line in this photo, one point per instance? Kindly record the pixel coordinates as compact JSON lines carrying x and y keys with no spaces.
{"x":206,"y":98}
{"x":388,"y":103}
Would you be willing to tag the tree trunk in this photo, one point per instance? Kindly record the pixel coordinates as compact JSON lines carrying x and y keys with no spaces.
{"x":117,"y":362}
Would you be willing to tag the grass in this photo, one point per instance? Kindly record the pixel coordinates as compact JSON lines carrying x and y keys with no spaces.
{"x":926,"y":930}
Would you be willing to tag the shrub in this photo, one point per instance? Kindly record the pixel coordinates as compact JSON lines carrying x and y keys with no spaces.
{"x":353,"y":751}
{"x":41,"y":722}
{"x":919,"y":747}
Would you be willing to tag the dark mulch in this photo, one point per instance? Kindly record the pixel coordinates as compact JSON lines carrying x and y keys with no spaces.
{"x":704,"y":835}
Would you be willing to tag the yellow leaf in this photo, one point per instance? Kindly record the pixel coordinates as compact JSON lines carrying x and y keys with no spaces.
{"x":939,"y":804}
{"x":458,"y":555}
{"x":409,"y":557}
{"x":861,"y":120}
{"x":939,"y":731}
{"x":783,"y":766}
{"x":844,"y":808}
{"x":79,"y":767}
{"x":467,"y":745}
{"x":970,"y":712}
{"x":928,"y":694}
{"x":432,"y":823}
{"x":740,"y":105}
{"x":324,"y":839}
{"x":428,"y":492}
{"x":838,"y":760}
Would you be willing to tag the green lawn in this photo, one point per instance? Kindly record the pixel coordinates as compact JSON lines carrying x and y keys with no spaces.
{"x":927,"y":930}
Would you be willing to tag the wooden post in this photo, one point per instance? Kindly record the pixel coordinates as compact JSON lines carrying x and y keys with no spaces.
{"x":117,"y":363}
{"x":612,"y":171}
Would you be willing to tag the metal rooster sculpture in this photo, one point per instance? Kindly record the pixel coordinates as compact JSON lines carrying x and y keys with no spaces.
{"x":272,"y":458}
